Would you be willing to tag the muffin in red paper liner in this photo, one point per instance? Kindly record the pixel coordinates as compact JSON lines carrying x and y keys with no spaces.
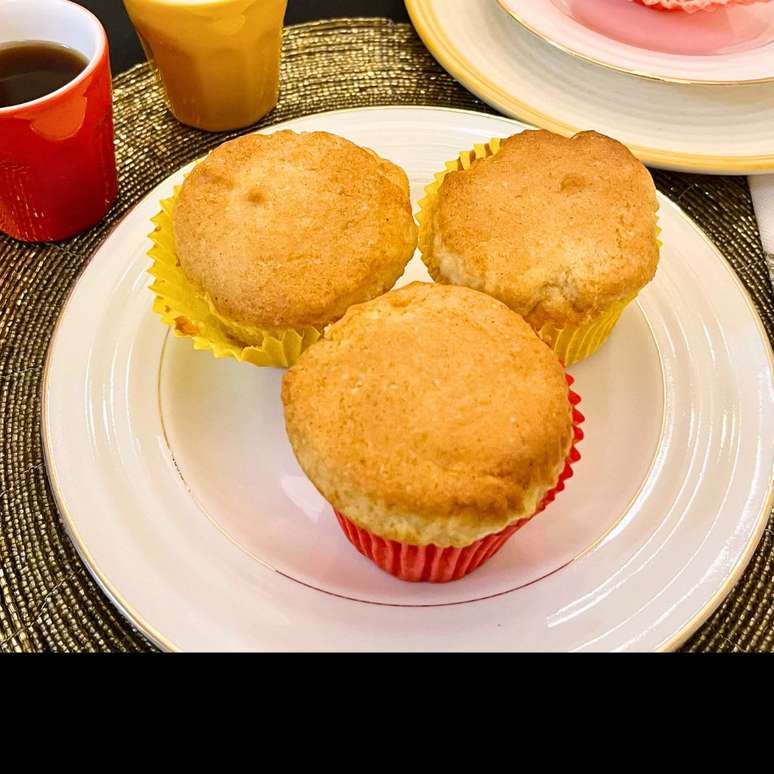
{"x":434,"y":564}
{"x":438,"y":422}
{"x":691,"y":6}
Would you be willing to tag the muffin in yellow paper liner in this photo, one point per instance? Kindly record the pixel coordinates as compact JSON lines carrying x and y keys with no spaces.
{"x":190,"y":314}
{"x":571,"y":343}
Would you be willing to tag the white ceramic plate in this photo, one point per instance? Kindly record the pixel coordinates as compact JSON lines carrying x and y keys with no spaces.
{"x":179,"y":489}
{"x":728,"y":46}
{"x":713,"y":129}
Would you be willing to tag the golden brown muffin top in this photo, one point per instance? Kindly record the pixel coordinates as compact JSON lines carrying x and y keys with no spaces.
{"x":289,"y":230}
{"x":556,"y":228}
{"x":432,"y":414}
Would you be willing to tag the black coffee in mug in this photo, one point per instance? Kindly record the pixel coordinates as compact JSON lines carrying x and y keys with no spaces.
{"x":34,"y":68}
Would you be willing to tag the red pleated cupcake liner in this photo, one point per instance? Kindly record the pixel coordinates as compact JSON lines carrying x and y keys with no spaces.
{"x":434,"y":564}
{"x":692,"y":6}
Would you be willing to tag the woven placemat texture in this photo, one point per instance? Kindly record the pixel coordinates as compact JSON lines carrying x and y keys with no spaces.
{"x":48,"y":600}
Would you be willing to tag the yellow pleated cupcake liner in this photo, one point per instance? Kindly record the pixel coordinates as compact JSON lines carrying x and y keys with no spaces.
{"x":190,"y":314}
{"x":577,"y":342}
{"x":571,"y":343}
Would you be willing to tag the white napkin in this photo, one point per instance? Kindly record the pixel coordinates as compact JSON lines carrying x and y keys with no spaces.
{"x":762,"y":190}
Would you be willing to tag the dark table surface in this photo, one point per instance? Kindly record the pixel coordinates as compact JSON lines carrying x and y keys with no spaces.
{"x":125,"y":49}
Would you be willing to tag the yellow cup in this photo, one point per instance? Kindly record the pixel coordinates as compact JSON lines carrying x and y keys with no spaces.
{"x":218,"y":60}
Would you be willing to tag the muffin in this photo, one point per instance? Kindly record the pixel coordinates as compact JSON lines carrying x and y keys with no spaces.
{"x":562,"y":230}
{"x":273,"y":236}
{"x":436,"y":423}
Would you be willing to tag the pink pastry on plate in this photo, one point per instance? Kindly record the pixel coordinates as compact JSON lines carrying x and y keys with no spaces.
{"x":691,"y":6}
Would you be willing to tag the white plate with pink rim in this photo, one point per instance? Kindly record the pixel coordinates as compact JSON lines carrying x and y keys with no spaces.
{"x":730,"y":46}
{"x":179,"y":489}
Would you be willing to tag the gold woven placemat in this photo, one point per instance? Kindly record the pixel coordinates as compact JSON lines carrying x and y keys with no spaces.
{"x":48,"y":600}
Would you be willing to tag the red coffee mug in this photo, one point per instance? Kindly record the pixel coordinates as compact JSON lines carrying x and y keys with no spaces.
{"x":57,"y":161}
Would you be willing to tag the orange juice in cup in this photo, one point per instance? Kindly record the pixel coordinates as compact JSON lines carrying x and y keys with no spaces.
{"x":218,"y":60}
